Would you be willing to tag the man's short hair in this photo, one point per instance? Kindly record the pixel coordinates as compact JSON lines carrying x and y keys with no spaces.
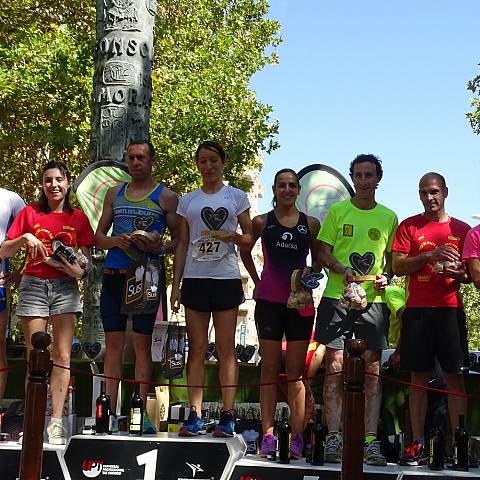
{"x":151,"y":148}
{"x":440,"y":177}
{"x":367,"y":157}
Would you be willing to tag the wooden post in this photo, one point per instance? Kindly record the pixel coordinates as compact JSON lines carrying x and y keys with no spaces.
{"x":353,"y":411}
{"x":35,"y":406}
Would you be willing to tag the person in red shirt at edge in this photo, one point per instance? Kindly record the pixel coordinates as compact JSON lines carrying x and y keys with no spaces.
{"x":49,"y":287}
{"x":427,"y":249}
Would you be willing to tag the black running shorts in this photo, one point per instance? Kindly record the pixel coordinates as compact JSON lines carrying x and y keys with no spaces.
{"x":212,"y":295}
{"x":276,"y":319}
{"x":429,"y":332}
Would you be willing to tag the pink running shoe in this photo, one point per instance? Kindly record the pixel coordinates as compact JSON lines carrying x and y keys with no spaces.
{"x":269,"y":444}
{"x":297,"y":447}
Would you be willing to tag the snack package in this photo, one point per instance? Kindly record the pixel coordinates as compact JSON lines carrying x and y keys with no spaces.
{"x":354,"y":297}
{"x":299,"y":297}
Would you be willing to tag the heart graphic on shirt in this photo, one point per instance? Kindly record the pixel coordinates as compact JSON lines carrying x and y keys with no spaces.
{"x":362,"y":263}
{"x":214,"y":219}
{"x":91,"y":349}
{"x":142,"y":223}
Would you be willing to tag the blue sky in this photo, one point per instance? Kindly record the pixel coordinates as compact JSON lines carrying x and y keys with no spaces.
{"x":382,"y":77}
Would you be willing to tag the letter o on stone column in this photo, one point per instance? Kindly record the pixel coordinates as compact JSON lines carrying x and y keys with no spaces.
{"x":144,"y":50}
{"x":119,"y":96}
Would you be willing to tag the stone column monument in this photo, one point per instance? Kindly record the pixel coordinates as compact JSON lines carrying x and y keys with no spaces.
{"x":121,"y":100}
{"x":122,"y":85}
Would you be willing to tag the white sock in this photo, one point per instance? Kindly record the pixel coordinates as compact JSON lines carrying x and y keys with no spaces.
{"x":58,"y":421}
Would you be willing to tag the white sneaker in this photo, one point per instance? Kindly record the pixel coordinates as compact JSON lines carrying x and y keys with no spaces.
{"x":20,"y":438}
{"x":57,"y":435}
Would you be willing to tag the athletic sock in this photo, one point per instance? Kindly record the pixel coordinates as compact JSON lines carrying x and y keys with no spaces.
{"x":421,"y":441}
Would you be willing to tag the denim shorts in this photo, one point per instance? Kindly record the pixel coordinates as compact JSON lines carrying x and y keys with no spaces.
{"x":44,"y":297}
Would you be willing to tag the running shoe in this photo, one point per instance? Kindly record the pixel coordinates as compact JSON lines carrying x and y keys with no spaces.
{"x":296,"y":449}
{"x":193,"y":426}
{"x":269,"y":444}
{"x":148,"y":426}
{"x":333,"y":448}
{"x":414,"y":455}
{"x":57,"y":435}
{"x":372,"y":454}
{"x":226,"y":426}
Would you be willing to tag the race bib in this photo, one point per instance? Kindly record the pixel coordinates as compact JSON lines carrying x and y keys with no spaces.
{"x":208,"y":249}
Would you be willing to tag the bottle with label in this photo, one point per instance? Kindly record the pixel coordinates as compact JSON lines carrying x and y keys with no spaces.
{"x":318,"y":434}
{"x":437,"y":446}
{"x":284,"y":438}
{"x":460,"y":451}
{"x":102,"y":410}
{"x":135,"y":424}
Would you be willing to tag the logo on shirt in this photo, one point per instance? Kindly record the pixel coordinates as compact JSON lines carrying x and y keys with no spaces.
{"x":214,"y":219}
{"x":362,"y":264}
{"x":142,"y":223}
{"x":347,"y":230}
{"x":374,"y":234}
{"x":287,"y":237}
{"x":302,"y":229}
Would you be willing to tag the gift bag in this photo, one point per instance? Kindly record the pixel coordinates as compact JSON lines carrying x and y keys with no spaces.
{"x":175,"y":351}
{"x":159,"y":341}
{"x":141,"y":292}
{"x":250,"y":426}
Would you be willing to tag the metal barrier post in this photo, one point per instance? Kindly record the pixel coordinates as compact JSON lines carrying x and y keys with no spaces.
{"x":35,"y":405}
{"x":353,"y":411}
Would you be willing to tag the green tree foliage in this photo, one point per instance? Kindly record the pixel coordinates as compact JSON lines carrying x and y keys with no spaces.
{"x":205,"y":54}
{"x":45,"y":84}
{"x":474,"y":116}
{"x":471,"y":302}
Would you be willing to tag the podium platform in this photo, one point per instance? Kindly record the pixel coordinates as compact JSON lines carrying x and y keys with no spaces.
{"x":256,"y":468}
{"x":53,"y":465}
{"x":165,"y":456}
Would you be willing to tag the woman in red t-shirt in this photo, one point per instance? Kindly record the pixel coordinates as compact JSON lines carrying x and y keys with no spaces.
{"x":49,"y":287}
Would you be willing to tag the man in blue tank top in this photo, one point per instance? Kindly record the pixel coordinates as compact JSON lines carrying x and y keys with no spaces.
{"x":141,"y":204}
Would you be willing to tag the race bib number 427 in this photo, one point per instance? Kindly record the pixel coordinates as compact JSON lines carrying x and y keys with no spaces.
{"x":209,"y":249}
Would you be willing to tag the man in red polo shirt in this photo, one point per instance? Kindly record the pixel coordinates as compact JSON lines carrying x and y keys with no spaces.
{"x":427,"y":249}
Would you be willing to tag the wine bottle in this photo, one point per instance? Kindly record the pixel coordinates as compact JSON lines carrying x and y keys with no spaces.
{"x":102,"y":410}
{"x":135,"y":424}
{"x":437,"y":446}
{"x":318,"y":434}
{"x":460,"y":455}
{"x":284,"y":436}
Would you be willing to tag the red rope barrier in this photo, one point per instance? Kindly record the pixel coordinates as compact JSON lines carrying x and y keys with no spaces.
{"x":252,"y":385}
{"x":186,"y":385}
{"x":425,"y":387}
{"x":13,"y":367}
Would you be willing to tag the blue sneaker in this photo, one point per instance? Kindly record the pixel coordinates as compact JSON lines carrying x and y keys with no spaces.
{"x":148,"y":427}
{"x":226,"y":426}
{"x":193,"y":426}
